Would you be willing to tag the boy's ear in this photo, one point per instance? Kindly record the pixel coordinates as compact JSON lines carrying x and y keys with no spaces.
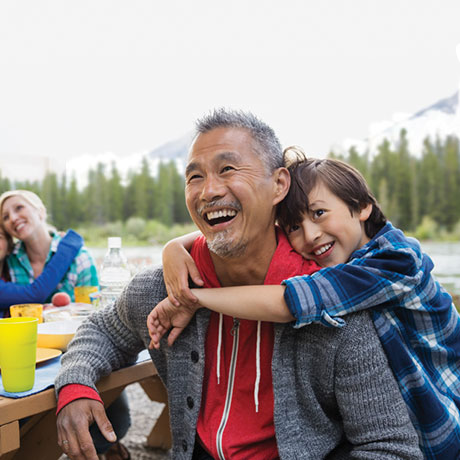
{"x":365,"y":212}
{"x":282,"y":182}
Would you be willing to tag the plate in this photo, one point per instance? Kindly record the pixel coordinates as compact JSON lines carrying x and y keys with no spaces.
{"x":44,"y":354}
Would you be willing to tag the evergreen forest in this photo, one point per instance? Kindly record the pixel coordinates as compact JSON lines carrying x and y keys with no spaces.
{"x":419,"y":194}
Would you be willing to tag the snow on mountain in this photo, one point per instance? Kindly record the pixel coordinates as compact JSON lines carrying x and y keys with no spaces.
{"x":175,"y":150}
{"x":439,"y":119}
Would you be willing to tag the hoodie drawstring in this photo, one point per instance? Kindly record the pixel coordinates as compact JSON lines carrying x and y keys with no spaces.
{"x":256,"y":385}
{"x":219,"y":345}
{"x":219,"y":352}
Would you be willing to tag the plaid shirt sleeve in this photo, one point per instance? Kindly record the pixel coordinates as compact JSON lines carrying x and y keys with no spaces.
{"x":86,"y":273}
{"x":415,"y":319}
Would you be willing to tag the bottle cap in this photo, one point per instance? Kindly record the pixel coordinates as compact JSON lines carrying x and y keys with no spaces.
{"x":114,"y":242}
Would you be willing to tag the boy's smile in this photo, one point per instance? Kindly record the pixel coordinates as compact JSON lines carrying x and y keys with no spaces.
{"x":329,"y":232}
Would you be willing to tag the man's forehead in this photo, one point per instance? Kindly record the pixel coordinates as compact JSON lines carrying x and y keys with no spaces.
{"x":219,"y":139}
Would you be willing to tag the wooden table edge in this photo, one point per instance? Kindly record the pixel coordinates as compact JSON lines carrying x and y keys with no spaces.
{"x":12,"y":409}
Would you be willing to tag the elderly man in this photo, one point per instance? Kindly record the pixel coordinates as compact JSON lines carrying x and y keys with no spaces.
{"x":242,"y":389}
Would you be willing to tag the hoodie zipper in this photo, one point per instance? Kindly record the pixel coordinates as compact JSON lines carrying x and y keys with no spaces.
{"x":231,"y":380}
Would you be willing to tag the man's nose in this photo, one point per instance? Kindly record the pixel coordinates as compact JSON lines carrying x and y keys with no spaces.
{"x":213,"y":188}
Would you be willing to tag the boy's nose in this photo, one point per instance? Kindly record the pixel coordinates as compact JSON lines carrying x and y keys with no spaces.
{"x":311,"y":232}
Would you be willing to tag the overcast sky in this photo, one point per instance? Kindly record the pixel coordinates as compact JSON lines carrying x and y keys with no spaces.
{"x":124,"y":76}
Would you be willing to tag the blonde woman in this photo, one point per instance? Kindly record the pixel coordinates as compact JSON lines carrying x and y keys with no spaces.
{"x":23,"y":216}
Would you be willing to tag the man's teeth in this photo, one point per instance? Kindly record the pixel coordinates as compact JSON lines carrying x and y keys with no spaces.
{"x":323,"y":249}
{"x":220,"y":213}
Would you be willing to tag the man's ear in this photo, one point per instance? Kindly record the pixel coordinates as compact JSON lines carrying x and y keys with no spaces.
{"x":282,"y":182}
{"x":365,"y":212}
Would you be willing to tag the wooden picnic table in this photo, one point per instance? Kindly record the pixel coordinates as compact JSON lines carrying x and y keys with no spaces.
{"x":37,"y":437}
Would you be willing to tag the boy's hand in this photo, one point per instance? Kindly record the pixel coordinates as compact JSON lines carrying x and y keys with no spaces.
{"x":178,"y":265}
{"x":167,"y":316}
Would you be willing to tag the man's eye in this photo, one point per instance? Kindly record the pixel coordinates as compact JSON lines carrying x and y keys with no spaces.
{"x":193,"y":177}
{"x":227,"y":168}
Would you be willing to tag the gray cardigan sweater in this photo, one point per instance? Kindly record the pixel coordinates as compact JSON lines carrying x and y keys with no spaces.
{"x":335,"y":395}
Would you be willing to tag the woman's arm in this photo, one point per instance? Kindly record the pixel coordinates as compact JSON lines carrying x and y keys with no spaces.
{"x":178,"y":266}
{"x":44,"y":285}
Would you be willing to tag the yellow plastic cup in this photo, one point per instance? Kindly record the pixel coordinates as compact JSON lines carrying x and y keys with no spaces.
{"x":18,"y":348}
{"x":82,"y":293}
{"x":34,"y":310}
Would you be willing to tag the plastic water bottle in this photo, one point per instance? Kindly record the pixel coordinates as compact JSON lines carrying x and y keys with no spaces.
{"x":115,"y":273}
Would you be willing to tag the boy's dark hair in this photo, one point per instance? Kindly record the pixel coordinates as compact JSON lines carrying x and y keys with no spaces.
{"x":343,"y":180}
{"x":4,"y":274}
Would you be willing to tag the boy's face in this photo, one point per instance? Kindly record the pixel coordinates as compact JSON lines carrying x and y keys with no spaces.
{"x":329,"y":233}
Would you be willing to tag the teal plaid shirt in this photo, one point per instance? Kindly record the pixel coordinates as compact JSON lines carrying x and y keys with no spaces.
{"x":82,"y":271}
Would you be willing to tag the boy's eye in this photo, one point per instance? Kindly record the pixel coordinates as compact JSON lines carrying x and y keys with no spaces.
{"x":293,"y":228}
{"x":318,"y":213}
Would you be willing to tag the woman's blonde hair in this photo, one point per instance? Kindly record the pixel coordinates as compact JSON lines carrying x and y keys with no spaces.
{"x":32,"y":198}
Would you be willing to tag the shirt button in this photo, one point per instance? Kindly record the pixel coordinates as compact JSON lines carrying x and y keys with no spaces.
{"x":195,"y":356}
{"x":190,"y":402}
{"x":184,"y":445}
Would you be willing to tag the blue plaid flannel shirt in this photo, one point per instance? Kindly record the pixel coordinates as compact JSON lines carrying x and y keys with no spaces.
{"x":82,"y":271}
{"x":416,"y":321}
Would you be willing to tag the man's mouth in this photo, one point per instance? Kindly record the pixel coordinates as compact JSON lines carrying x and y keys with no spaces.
{"x":219,"y":217}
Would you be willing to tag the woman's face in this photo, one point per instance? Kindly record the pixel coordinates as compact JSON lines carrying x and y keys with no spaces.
{"x":20,"y":219}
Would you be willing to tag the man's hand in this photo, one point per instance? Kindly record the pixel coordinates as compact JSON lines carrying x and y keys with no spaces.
{"x":73,"y":423}
{"x":167,"y":316}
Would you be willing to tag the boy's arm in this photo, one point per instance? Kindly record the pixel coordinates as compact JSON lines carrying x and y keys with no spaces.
{"x":44,"y":285}
{"x":258,"y":303}
{"x":385,"y":279}
{"x":178,"y":266}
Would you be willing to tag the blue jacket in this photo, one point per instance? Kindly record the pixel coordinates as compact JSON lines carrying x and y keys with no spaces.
{"x":44,"y":285}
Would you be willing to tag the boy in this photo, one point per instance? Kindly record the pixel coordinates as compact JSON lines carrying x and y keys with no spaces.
{"x":331,"y":217}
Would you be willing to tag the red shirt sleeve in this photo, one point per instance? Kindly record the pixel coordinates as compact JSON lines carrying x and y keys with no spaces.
{"x":75,"y":391}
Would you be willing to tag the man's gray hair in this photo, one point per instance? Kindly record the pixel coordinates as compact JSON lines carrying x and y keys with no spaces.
{"x":265,"y":137}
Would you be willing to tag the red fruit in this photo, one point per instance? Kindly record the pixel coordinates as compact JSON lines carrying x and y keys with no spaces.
{"x":60,"y":299}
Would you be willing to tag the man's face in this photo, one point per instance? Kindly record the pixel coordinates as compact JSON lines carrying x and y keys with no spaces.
{"x":228,"y":190}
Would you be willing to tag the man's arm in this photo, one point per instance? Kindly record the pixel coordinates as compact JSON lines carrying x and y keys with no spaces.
{"x":109,"y":339}
{"x":53,"y":272}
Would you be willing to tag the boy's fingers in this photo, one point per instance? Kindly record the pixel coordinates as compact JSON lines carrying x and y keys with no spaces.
{"x":194,"y":274}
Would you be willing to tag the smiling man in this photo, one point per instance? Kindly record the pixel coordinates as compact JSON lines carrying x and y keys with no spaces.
{"x":241,"y":389}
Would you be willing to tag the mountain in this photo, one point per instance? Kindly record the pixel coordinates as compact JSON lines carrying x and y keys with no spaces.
{"x":439,"y":119}
{"x":175,"y":150}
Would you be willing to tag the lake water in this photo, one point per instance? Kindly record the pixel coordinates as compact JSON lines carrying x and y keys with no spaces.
{"x":446,"y":258}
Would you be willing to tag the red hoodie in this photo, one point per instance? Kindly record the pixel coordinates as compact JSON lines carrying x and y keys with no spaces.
{"x":229,"y":424}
